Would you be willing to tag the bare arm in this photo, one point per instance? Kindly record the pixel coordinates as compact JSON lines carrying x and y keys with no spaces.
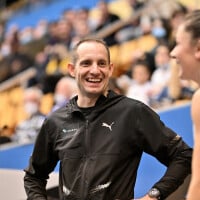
{"x":194,"y":188}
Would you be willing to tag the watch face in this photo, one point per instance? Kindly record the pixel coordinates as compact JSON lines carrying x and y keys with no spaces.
{"x":154,"y":193}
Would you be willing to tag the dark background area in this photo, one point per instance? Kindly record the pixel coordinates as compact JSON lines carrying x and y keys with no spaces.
{"x":5,"y":3}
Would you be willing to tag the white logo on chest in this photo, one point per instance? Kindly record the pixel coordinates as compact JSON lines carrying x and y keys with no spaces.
{"x":107,"y":125}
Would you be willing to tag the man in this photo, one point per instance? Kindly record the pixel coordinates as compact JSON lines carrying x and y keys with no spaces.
{"x":187,"y":54}
{"x":99,"y":138}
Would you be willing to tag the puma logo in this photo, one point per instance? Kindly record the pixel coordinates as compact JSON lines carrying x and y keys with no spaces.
{"x":107,"y":125}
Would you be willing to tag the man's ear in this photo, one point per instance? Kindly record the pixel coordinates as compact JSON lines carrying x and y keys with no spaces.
{"x":111,"y":69}
{"x":197,"y":53}
{"x":71,"y":69}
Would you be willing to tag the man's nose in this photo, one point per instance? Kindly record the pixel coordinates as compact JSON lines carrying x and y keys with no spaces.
{"x":94,"y":68}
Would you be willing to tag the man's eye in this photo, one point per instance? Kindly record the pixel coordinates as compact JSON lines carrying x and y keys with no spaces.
{"x":102,"y":64}
{"x":85,"y":64}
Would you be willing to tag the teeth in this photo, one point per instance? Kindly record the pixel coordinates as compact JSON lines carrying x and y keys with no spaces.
{"x":94,"y":80}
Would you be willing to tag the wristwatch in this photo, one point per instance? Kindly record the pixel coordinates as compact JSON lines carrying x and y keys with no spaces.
{"x":154,"y":193}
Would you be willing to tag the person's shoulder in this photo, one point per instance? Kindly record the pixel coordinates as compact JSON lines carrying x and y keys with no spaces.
{"x":196,"y":98}
{"x":195,"y":106}
{"x":138,"y":107}
{"x":133,"y":102}
{"x":197,"y":93}
{"x":57,"y":113}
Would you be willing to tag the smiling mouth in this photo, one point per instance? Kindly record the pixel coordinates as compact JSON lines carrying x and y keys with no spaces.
{"x":93,"y":80}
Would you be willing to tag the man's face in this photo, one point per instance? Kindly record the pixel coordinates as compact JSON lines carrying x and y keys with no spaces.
{"x":185,"y":54}
{"x":92,"y":69}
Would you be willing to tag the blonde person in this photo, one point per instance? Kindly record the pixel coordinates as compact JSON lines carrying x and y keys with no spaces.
{"x":187,"y":54}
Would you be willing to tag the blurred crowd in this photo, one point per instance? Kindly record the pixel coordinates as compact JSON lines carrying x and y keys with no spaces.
{"x":140,"y":34}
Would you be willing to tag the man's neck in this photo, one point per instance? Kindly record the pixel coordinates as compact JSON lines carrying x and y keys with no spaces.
{"x":85,"y":101}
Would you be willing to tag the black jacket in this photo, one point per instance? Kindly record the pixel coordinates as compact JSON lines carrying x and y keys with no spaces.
{"x":99,"y":155}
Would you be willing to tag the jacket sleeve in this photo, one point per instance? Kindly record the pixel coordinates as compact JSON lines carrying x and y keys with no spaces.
{"x":35,"y":187}
{"x":41,"y":164}
{"x":168,"y":147}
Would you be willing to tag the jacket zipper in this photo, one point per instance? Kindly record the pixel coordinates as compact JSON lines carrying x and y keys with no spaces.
{"x":84,"y":185}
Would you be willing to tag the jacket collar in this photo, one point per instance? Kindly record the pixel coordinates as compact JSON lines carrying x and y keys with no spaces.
{"x":100,"y":103}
